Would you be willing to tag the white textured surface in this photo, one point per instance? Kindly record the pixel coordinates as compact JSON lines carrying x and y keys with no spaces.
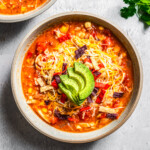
{"x":17,"y":134}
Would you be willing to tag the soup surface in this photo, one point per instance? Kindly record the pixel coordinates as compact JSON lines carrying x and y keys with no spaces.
{"x":11,"y":7}
{"x":77,"y":76}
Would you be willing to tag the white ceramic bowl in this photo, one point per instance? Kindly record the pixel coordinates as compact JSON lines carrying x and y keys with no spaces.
{"x":39,"y":124}
{"x":28,"y":15}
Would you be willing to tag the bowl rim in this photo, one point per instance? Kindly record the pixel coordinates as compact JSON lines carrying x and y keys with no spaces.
{"x":140,"y":73}
{"x":22,"y":17}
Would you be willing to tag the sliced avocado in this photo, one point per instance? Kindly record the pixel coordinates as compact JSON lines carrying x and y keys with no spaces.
{"x":76,"y":77}
{"x":70,"y":84}
{"x":67,"y":92}
{"x":89,"y":80}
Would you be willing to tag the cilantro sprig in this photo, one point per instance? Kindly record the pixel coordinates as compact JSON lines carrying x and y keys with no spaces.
{"x":139,"y":7}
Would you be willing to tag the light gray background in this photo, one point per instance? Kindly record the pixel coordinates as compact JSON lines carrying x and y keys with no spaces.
{"x":15,"y":131}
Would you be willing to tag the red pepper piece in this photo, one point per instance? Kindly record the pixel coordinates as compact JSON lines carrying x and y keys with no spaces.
{"x":63,"y":98}
{"x":64,"y":38}
{"x":93,"y":70}
{"x":85,"y":108}
{"x":100,"y":97}
{"x":98,"y":100}
{"x":95,"y":77}
{"x":29,"y":55}
{"x":73,"y":119}
{"x":101,"y":85}
{"x":54,"y":84}
{"x":87,"y":60}
{"x":101,"y":66}
{"x":57,"y":73}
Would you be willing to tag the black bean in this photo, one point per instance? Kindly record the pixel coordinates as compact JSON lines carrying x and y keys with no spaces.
{"x":47,"y":102}
{"x":117,"y":94}
{"x":112,"y":116}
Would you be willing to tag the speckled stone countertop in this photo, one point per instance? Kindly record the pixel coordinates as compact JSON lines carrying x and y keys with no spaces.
{"x":15,"y":131}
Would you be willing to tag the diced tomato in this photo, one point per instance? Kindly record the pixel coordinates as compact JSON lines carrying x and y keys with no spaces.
{"x":53,"y":120}
{"x":107,"y":32}
{"x":94,"y":33}
{"x":87,"y":115}
{"x":73,"y":119}
{"x":101,"y":85}
{"x":85,"y":108}
{"x":100,"y":97}
{"x":116,"y":104}
{"x":87,"y":60}
{"x":63,"y":98}
{"x":64,"y":38}
{"x":29,"y":55}
{"x":106,"y":43}
{"x":54,"y":84}
{"x":101,"y":66}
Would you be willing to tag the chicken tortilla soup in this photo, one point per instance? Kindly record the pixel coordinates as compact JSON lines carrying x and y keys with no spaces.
{"x":11,"y":7}
{"x":77,"y":77}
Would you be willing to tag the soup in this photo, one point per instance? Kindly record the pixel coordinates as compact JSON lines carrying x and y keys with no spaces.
{"x":11,"y":7}
{"x":77,"y":76}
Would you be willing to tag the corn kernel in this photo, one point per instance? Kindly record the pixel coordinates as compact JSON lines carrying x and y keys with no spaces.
{"x":23,"y":9}
{"x":29,"y":90}
{"x":44,"y":110}
{"x":101,"y":28}
{"x":88,"y":25}
{"x":2,"y":6}
{"x":124,"y":54}
{"x":81,"y":34}
{"x":64,"y":29}
{"x":28,"y":60}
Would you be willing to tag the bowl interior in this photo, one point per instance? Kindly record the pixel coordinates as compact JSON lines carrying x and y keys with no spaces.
{"x":43,"y":127}
{"x":28,"y":15}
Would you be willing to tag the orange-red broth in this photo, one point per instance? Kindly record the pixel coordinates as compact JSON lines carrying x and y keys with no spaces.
{"x":29,"y":72}
{"x":11,"y":7}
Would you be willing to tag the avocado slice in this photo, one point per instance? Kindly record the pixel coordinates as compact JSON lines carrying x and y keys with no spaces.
{"x":89,"y":80}
{"x":70,"y":84}
{"x":76,"y":77}
{"x":67,"y":92}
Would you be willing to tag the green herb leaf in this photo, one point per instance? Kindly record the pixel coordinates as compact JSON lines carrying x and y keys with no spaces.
{"x":141,"y":7}
{"x":128,"y":11}
{"x":131,"y":1}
